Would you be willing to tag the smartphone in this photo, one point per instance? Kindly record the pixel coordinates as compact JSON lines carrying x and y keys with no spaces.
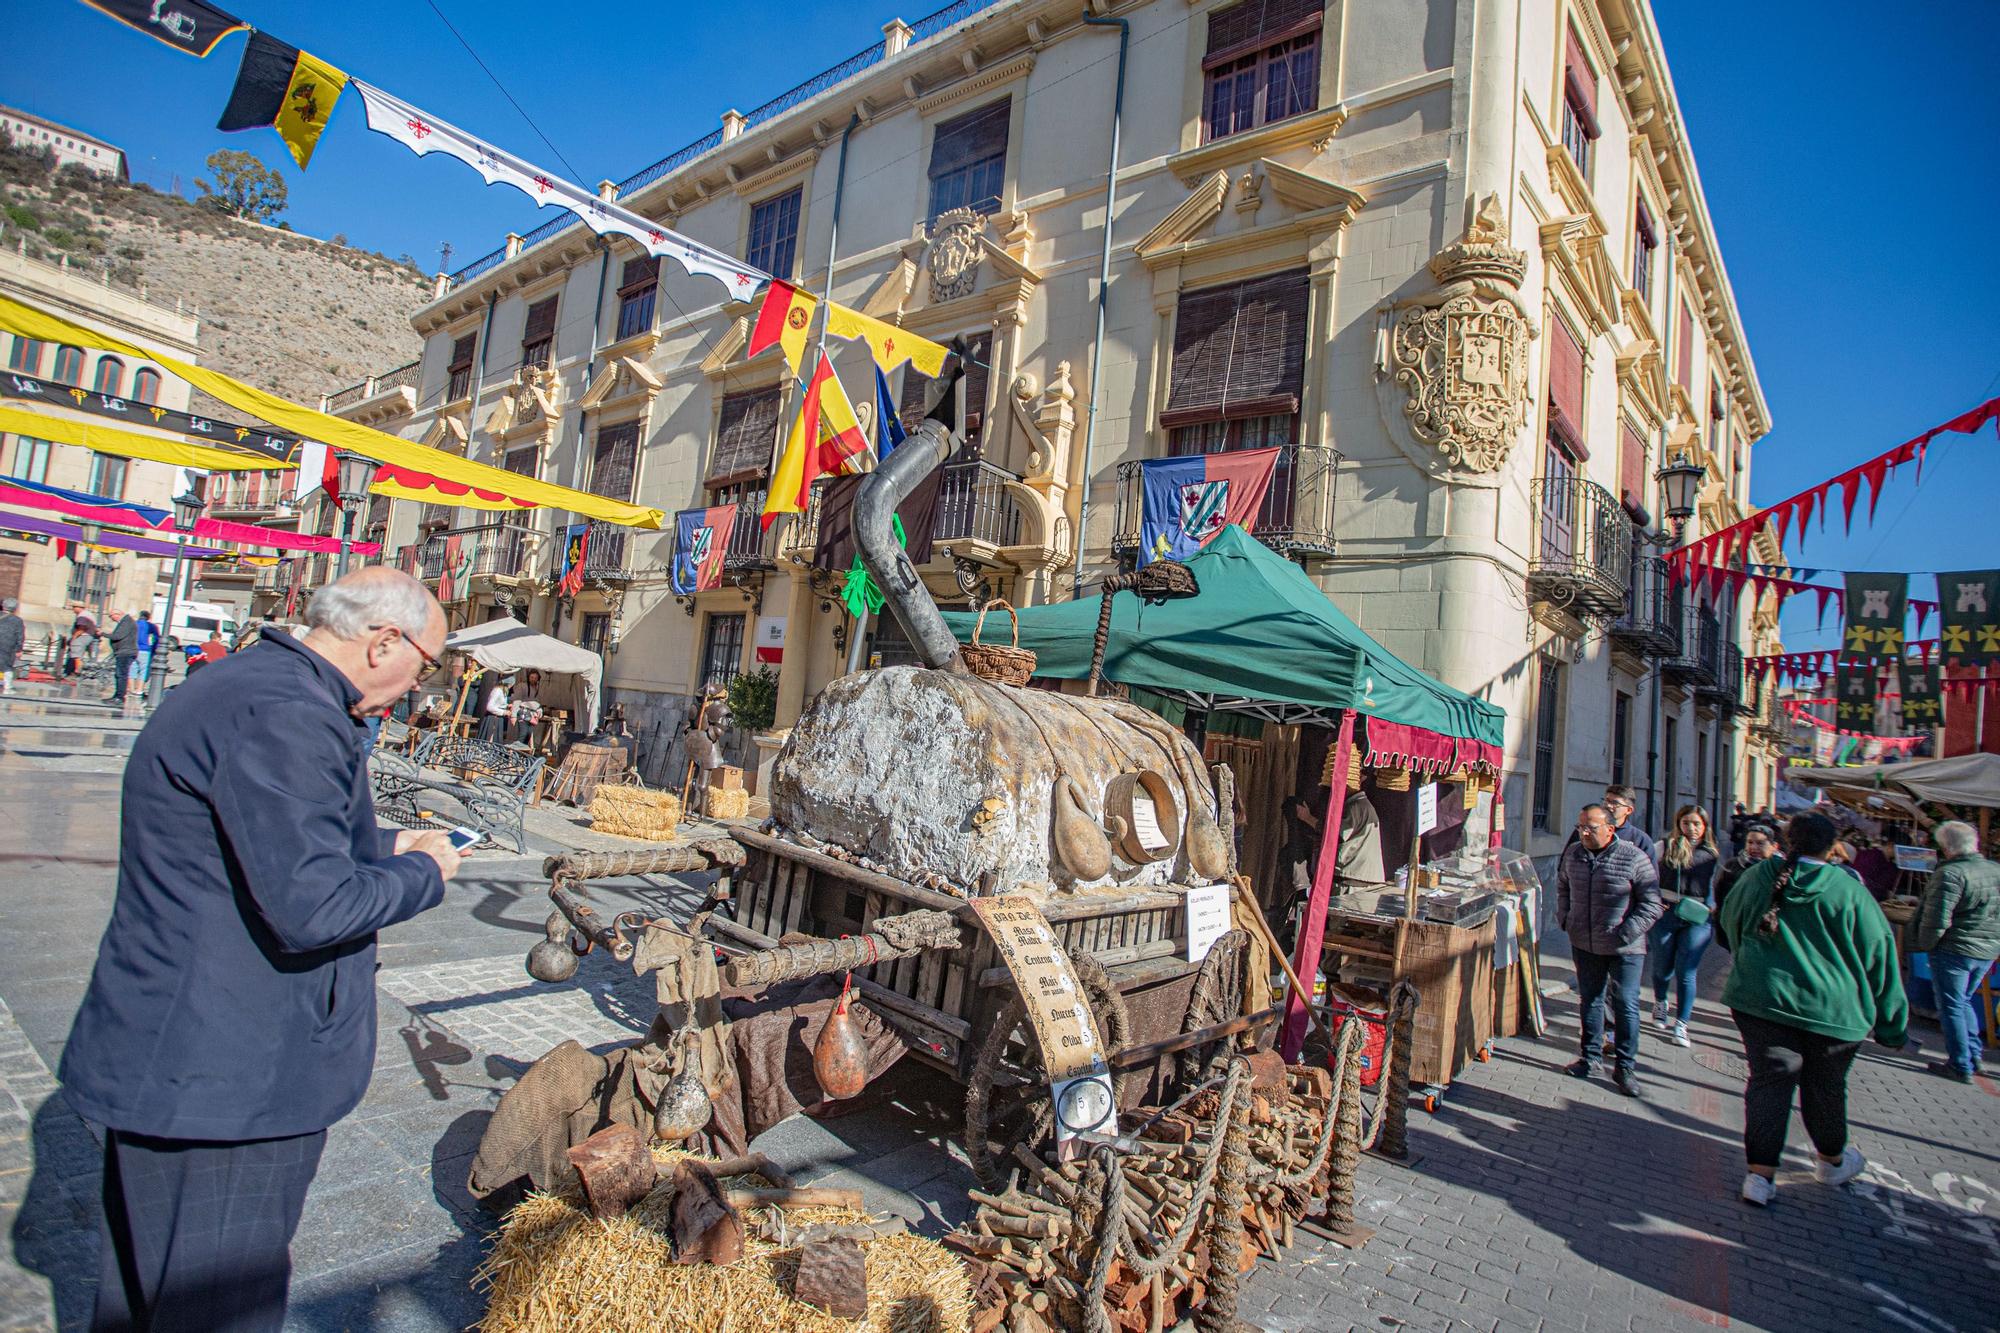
{"x":462,"y":838}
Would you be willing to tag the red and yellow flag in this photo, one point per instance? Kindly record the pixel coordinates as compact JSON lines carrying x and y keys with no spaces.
{"x":783,"y":320}
{"x":825,"y":438}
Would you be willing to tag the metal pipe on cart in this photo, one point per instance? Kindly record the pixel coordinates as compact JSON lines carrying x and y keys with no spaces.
{"x":1103,"y":295}
{"x":1312,"y":931}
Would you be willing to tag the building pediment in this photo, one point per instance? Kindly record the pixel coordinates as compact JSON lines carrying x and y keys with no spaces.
{"x":1189,"y":219}
{"x":623,"y":379}
{"x":530,"y":406}
{"x":1642,"y":381}
{"x":447,"y":432}
{"x":1309,"y":202}
{"x":1573,"y":247}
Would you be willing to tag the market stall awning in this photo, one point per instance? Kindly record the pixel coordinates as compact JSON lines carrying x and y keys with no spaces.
{"x":508,"y":646}
{"x":1260,"y":638}
{"x":1966,"y":779}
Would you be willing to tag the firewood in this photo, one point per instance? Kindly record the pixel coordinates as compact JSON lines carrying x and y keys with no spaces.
{"x":797,"y":1197}
{"x":616,"y":1169}
{"x":707,"y":1229}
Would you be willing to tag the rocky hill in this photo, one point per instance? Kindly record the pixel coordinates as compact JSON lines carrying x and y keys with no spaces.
{"x":282,"y":310}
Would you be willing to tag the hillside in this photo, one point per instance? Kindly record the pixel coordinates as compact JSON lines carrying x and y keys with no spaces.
{"x":283,"y":311}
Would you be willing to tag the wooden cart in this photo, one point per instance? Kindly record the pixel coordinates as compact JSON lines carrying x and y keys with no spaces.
{"x":1451,"y":967}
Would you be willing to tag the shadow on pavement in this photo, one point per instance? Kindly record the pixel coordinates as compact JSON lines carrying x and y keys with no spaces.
{"x":55,"y":1233}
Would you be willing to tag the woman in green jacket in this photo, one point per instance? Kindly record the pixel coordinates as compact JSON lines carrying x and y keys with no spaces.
{"x":1815,"y":975}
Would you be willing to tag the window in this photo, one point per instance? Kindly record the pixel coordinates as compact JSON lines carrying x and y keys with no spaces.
{"x":31,"y":459}
{"x":969,"y":160}
{"x":1548,"y":702}
{"x":614,"y":464}
{"x":1644,"y":242}
{"x":110,"y":376}
{"x":637,"y":287}
{"x":460,"y":370}
{"x":522,"y":461}
{"x":90,"y":579}
{"x":540,"y":334}
{"x":107,"y":476}
{"x":26,"y":356}
{"x":69,"y":365}
{"x":774,"y":229}
{"x":1566,"y":389}
{"x":916,"y":388}
{"x":595,"y":632}
{"x":1558,"y":500}
{"x":1631,"y":467}
{"x":146,"y":385}
{"x":744,"y":438}
{"x":1579,"y":105}
{"x":1621,"y":736}
{"x":722,"y":650}
{"x":1262,"y":65}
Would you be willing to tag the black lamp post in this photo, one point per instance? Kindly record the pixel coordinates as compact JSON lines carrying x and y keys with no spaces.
{"x":187,"y":512}
{"x":352,"y":489}
{"x":1680,"y":480}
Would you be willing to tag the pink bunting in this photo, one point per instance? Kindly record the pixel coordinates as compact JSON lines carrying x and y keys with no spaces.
{"x":1875,"y":470}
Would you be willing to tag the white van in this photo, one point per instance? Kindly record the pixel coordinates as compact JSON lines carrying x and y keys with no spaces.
{"x":193,"y":622}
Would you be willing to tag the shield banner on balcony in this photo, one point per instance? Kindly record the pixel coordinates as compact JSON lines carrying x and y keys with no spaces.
{"x":453,"y":578}
{"x":1876,"y":605}
{"x":701,"y":539}
{"x":1185,"y":502}
{"x":575,"y":547}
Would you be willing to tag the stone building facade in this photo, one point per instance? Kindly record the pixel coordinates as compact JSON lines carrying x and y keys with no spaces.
{"x":1453,"y":258}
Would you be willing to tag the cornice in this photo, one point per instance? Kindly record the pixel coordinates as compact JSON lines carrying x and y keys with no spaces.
{"x":985,"y":80}
{"x":1193,"y":164}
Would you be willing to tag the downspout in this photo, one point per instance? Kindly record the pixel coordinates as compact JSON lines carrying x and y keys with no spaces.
{"x":589,"y":366}
{"x":479,"y":376}
{"x":1103,"y":299}
{"x":1653,"y":774}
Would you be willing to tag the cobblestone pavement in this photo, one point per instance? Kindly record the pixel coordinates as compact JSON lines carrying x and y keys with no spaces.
{"x":1529,"y":1200}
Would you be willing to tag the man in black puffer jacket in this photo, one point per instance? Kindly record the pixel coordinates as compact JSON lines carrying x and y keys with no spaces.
{"x":1607,"y":898}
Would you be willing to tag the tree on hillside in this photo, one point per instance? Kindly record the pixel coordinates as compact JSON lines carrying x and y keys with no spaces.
{"x":244,"y":187}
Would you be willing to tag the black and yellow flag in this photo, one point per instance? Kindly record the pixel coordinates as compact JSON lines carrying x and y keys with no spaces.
{"x":1969,"y":614}
{"x":185,"y":25}
{"x":285,"y":88}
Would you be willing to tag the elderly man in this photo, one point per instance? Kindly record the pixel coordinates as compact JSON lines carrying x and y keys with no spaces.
{"x":1959,"y":927}
{"x":231,"y":1016}
{"x":13,"y":638}
{"x":1607,"y":898}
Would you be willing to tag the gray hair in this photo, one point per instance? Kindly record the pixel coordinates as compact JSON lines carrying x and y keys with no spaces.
{"x":375,"y":596}
{"x":9,"y":604}
{"x":1956,"y":838}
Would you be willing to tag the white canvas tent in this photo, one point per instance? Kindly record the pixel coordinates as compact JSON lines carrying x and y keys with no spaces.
{"x":1966,"y":779}
{"x":509,"y":647}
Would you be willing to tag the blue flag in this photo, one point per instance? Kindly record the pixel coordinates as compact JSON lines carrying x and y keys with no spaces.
{"x":1184,"y":502}
{"x":889,"y":430}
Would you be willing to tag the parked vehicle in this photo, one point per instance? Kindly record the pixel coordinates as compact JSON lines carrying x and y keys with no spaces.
{"x":193,"y":621}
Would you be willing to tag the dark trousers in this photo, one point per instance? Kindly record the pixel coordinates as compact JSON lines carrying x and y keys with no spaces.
{"x":1593,"y":971}
{"x":1784,"y":1058}
{"x":197,"y":1236}
{"x":121,"y":670}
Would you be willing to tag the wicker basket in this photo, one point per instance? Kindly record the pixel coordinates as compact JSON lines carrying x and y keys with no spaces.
{"x":1011,"y":665}
{"x":1392,"y":779}
{"x":629,"y":810}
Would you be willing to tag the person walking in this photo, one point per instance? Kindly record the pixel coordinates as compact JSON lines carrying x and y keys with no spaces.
{"x":124,"y":641}
{"x":148,"y":639}
{"x":1688,"y":859}
{"x":1760,"y":843}
{"x":1607,"y":898}
{"x":213,"y":649}
{"x":1959,"y":927}
{"x":13,"y":638}
{"x":230,"y":1017}
{"x":1814,"y":976}
{"x":82,"y":638}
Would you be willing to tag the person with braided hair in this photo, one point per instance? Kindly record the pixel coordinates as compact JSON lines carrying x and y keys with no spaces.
{"x":1815,"y":975}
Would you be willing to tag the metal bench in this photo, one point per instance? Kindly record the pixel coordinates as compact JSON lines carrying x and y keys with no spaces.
{"x":492,"y":782}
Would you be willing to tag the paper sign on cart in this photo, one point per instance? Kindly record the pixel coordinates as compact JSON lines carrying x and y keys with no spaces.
{"x":1207,"y":918}
{"x":1427,"y":807}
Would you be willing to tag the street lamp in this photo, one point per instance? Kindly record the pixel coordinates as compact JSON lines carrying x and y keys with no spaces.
{"x":187,"y":513}
{"x":88,"y":535}
{"x":1679,"y":481}
{"x":351,"y":489}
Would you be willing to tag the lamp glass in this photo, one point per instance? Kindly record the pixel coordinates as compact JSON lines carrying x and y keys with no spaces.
{"x":187,"y":510}
{"x":1679,"y":481}
{"x":355,"y":471}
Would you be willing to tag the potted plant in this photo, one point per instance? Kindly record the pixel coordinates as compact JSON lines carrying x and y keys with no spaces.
{"x":753,"y":706}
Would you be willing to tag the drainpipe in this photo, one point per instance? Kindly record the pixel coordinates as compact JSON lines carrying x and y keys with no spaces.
{"x":589,"y":366}
{"x":1103,"y":299}
{"x":1653,"y":774}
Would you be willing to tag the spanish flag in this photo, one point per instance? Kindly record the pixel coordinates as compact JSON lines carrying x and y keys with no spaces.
{"x":783,"y":320}
{"x":825,"y":439}
{"x":285,"y":88}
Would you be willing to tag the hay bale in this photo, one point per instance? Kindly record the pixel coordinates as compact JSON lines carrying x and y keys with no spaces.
{"x":554,"y":1268}
{"x":721,"y":803}
{"x":634,"y":812}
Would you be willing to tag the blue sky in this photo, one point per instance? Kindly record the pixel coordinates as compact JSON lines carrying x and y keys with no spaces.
{"x":1849,"y":163}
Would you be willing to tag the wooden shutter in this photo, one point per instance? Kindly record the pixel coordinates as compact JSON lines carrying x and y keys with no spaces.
{"x":970,"y":138}
{"x":1254,"y":24}
{"x":744,"y":437}
{"x":1580,"y":83}
{"x":1683,"y":367}
{"x":461,"y":353}
{"x":1631,"y":467}
{"x":614,"y":464}
{"x":1566,"y":388}
{"x":541,"y":321}
{"x":1239,"y":351}
{"x":638,"y":275}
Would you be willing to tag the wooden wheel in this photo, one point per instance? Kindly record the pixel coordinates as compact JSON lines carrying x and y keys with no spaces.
{"x":1007,"y":1095}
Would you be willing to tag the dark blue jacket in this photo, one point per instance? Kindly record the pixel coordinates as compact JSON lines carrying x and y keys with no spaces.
{"x":234,"y":993}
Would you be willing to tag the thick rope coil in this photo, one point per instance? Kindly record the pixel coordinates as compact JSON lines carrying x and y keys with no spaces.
{"x":1225,"y":1238}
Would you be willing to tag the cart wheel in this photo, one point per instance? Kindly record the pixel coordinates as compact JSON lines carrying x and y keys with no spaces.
{"x":1007,"y":1093}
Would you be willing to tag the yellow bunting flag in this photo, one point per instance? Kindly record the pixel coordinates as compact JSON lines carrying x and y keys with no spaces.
{"x":130,"y":443}
{"x":892,"y":346}
{"x":288,"y":89}
{"x":783,"y":319}
{"x":825,"y":438}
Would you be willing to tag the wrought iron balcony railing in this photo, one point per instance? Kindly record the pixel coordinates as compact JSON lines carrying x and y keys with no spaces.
{"x":1699,"y":661}
{"x":1296,"y":518}
{"x":249,"y":492}
{"x":1651,"y":622}
{"x":1581,"y":557}
{"x":973,"y":507}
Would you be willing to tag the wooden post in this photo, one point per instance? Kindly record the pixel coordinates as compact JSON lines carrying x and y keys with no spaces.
{"x":1312,"y":931}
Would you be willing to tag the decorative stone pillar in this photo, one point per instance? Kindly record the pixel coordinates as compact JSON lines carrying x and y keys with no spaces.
{"x":799,"y":625}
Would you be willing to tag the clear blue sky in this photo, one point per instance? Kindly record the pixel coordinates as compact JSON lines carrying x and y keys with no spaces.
{"x":1849,"y":153}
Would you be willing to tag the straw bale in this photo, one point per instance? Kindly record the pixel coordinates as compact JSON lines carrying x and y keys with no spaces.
{"x":554,"y":1268}
{"x":635,"y":812}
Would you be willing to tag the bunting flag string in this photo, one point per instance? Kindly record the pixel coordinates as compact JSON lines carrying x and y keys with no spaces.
{"x":91,"y":508}
{"x":35,"y":526}
{"x":403,"y":483}
{"x":1718,"y":551}
{"x":289,"y":90}
{"x":277,"y":451}
{"x":186,"y":25}
{"x":109,"y":439}
{"x":1886,"y":742}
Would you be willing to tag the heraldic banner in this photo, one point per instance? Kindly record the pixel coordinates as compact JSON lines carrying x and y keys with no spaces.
{"x":1185,"y":502}
{"x":701,"y":540}
{"x":1876,"y":607}
{"x":1921,"y":696}
{"x":1854,"y":695}
{"x":1969,"y":615}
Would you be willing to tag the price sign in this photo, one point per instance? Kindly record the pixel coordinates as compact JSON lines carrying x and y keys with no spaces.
{"x":1057,"y":1008}
{"x":1207,"y":918}
{"x":1427,"y":808}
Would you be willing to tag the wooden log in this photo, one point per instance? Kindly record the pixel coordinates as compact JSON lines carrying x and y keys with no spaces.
{"x":796,"y":1197}
{"x":756,"y":1164}
{"x":616,"y":1169}
{"x":833,"y":1276}
{"x":707,"y":1229}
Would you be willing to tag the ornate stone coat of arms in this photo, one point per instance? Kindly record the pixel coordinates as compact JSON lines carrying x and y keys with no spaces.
{"x":954,"y":253}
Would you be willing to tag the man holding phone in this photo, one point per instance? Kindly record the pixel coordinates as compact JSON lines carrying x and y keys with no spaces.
{"x":231,"y":1015}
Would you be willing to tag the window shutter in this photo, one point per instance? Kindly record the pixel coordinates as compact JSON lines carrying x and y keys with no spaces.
{"x":541,"y":321}
{"x":1580,"y":83}
{"x":1566,"y":388}
{"x":1683,"y":369}
{"x":970,"y":138}
{"x":639,"y":274}
{"x":1647,"y":235}
{"x":461,"y":353}
{"x":1631,"y":467}
{"x":1239,"y":351}
{"x":744,"y":437}
{"x":1241,"y":29}
{"x":614,"y":465}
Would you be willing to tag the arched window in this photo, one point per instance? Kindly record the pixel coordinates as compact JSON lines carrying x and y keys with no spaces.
{"x":110,"y":376}
{"x":69,"y":365}
{"x":146,"y":385}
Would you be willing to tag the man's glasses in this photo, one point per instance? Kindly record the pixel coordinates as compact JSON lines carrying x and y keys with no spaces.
{"x":431,"y":664}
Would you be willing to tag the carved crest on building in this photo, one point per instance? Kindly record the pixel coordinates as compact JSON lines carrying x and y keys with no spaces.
{"x":954,"y":253}
{"x":531,"y":403}
{"x":1460,"y":355}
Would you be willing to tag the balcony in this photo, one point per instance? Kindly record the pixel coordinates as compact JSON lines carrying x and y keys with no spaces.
{"x":402,"y":377}
{"x":1727,"y":688}
{"x":1699,"y":661}
{"x":240,"y":494}
{"x":1296,"y":518}
{"x":973,"y":510}
{"x":1581,"y":557}
{"x":488,"y":550}
{"x":1651,"y":622}
{"x":607,"y":552}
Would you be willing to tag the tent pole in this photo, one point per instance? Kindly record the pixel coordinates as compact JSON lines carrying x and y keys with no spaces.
{"x":1312,"y":931}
